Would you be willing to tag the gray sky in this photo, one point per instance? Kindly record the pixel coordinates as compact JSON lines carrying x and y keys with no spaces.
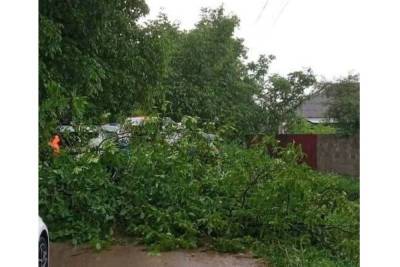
{"x":321,"y":34}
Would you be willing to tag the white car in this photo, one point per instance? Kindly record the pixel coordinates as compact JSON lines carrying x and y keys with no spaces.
{"x":43,"y":244}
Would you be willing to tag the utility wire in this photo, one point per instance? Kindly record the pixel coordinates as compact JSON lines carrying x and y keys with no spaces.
{"x":281,"y":11}
{"x":262,"y":11}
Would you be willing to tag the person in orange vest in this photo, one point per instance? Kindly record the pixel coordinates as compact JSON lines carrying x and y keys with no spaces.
{"x":55,"y":144}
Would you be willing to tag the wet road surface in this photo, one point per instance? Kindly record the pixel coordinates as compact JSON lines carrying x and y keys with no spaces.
{"x":65,"y":255}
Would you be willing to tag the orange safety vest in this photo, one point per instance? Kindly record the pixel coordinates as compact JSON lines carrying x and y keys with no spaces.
{"x":55,"y":144}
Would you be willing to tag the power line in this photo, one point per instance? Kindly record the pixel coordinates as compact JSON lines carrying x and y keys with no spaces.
{"x":281,"y":11}
{"x":262,"y":10}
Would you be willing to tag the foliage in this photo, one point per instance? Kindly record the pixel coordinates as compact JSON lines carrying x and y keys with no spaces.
{"x":78,"y":198}
{"x":197,"y":192}
{"x":97,"y":64}
{"x":207,"y":77}
{"x":345,"y":107}
{"x":282,"y":96}
{"x":96,"y":61}
{"x":302,"y":126}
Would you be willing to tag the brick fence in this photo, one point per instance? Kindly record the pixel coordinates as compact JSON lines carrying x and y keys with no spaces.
{"x":339,"y":154}
{"x":328,"y":153}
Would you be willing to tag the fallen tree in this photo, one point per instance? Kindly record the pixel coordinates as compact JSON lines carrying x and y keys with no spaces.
{"x":201,"y":192}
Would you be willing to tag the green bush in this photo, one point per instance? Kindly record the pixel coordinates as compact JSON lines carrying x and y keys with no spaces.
{"x":201,"y":192}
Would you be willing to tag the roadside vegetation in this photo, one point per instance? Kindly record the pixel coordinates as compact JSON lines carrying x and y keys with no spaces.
{"x":98,"y":64}
{"x":198,"y":192}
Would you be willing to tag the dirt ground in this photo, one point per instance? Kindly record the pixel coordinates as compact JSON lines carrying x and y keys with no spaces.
{"x":64,"y":255}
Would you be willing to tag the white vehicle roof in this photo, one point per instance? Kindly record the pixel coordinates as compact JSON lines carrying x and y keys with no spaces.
{"x":111,"y":127}
{"x":135,"y":121}
{"x":71,"y":129}
{"x":66,"y":128}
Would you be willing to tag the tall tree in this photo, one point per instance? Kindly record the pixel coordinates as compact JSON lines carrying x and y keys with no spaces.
{"x":281,"y":96}
{"x":94,"y":58}
{"x":209,"y":77}
{"x":345,"y":106}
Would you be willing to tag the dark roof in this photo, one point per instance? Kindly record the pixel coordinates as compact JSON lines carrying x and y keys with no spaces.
{"x":315,"y":107}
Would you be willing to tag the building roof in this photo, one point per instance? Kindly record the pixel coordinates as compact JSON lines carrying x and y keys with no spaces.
{"x":315,"y":107}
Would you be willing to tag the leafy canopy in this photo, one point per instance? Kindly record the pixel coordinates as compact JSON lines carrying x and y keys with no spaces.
{"x":98,"y":63}
{"x":345,"y":106}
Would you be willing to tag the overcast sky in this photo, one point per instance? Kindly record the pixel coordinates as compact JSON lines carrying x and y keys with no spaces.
{"x":321,"y":34}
